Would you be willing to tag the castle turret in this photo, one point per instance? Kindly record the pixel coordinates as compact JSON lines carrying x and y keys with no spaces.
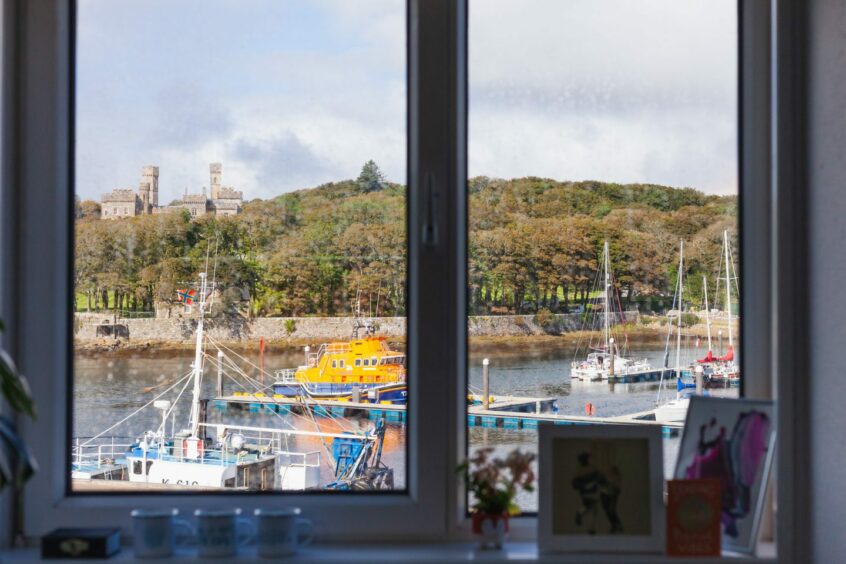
{"x":216,"y":171}
{"x":149,"y":188}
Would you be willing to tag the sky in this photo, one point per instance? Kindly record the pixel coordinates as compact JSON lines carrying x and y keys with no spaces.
{"x":290,"y":94}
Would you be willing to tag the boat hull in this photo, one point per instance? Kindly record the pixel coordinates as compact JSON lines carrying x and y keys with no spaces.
{"x":674,"y":411}
{"x":377,"y":393}
{"x":648,"y":375}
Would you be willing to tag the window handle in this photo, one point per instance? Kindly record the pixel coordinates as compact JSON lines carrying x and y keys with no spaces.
{"x":430,"y":213}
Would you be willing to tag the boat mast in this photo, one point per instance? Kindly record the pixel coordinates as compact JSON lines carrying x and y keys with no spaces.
{"x":707,"y":313}
{"x":681,"y":309}
{"x":728,"y":286}
{"x":198,"y":360}
{"x":607,"y":299}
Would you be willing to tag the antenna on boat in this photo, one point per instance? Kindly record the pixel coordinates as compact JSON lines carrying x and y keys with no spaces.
{"x":198,"y":360}
{"x":360,"y":322}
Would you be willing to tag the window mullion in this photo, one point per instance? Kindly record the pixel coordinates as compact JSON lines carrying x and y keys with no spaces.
{"x":437,"y":176}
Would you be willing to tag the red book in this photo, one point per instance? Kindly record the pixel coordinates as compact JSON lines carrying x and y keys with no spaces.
{"x":693,"y":518}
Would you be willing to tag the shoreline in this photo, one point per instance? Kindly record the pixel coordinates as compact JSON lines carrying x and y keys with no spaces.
{"x":499,"y":345}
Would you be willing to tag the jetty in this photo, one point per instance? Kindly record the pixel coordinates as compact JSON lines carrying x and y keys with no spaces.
{"x":504,"y":412}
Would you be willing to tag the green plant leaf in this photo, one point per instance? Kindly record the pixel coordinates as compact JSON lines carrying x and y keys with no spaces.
{"x":17,"y":464}
{"x":14,"y":386}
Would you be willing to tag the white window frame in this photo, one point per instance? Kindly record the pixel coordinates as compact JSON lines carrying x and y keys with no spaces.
{"x":37,"y":220}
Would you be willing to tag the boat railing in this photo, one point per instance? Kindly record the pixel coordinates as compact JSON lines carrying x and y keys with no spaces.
{"x":286,"y":375}
{"x":96,"y":455}
{"x":227,"y":454}
{"x":336,"y":348}
{"x":310,"y":459}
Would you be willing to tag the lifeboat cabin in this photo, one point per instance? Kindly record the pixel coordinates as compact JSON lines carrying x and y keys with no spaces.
{"x":362,"y":370}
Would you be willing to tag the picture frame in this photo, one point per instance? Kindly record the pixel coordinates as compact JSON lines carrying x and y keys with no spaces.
{"x":600,"y":488}
{"x":732,"y":440}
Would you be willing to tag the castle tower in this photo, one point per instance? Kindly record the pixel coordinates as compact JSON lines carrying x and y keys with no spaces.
{"x":150,"y":187}
{"x":144,"y":190}
{"x":216,"y":171}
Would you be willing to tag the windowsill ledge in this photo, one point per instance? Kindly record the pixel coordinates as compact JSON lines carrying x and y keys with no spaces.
{"x":514,"y":552}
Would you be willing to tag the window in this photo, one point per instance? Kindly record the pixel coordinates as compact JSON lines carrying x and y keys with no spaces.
{"x":436,"y":290}
{"x":584,"y":201}
{"x":302,"y":114}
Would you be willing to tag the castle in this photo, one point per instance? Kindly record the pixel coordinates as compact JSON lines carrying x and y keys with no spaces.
{"x":125,"y":202}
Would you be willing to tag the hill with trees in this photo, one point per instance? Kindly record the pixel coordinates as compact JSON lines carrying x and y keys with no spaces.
{"x":534,"y":243}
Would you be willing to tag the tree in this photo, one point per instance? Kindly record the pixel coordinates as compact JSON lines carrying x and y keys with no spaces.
{"x":87,"y":209}
{"x":533,"y":243}
{"x":371,"y":178}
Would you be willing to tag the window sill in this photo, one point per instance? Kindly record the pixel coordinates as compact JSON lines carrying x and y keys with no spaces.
{"x":445,"y":553}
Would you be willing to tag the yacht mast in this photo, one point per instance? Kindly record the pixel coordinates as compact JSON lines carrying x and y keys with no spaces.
{"x":607,"y":299}
{"x":707,"y":312}
{"x":681,"y":309}
{"x":728,"y":286}
{"x":198,"y":360}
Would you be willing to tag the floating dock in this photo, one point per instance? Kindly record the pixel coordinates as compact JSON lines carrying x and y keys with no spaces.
{"x":504,"y":413}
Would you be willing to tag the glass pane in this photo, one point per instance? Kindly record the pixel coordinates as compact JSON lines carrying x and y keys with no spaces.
{"x":240,"y":246}
{"x":602,"y":139}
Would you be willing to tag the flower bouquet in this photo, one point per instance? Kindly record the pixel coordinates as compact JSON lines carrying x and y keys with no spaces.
{"x":494,"y":484}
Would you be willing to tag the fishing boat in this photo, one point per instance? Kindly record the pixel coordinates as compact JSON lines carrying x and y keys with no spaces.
{"x":220,"y":455}
{"x":362,"y":370}
{"x":607,"y":361}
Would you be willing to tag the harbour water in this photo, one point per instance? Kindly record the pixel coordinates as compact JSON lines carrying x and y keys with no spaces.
{"x":108,"y":388}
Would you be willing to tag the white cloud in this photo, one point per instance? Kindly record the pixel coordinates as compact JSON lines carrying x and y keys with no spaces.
{"x":291,"y":94}
{"x":612,"y":90}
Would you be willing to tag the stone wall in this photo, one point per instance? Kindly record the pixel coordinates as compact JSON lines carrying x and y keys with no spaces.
{"x":181,"y":330}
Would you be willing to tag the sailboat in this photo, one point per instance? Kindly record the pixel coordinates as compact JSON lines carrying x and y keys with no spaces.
{"x":208,"y":455}
{"x":675,"y":409}
{"x":722,"y":368}
{"x":606,"y":362}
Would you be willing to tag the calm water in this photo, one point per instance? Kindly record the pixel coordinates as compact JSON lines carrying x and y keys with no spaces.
{"x":108,"y":389}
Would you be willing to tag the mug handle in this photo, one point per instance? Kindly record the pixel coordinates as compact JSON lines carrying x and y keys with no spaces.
{"x":305,"y":532}
{"x":246,"y":531}
{"x":183,"y":532}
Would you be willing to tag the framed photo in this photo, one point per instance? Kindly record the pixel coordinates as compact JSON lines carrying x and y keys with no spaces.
{"x":732,"y":441}
{"x":600,"y":488}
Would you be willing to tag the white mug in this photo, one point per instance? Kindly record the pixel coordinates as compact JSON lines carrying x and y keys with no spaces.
{"x":155,"y":532}
{"x":220,"y":532}
{"x":281,"y":532}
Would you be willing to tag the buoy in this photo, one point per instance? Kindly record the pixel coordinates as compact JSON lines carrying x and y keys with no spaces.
{"x":590,"y":409}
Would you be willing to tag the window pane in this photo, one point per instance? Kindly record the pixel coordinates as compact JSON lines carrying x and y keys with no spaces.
{"x":240,"y":176}
{"x":602,"y":138}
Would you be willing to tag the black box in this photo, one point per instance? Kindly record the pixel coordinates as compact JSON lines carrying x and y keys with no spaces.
{"x":81,"y":543}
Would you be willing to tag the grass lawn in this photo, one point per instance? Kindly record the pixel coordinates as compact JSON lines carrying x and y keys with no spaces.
{"x":82,"y":300}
